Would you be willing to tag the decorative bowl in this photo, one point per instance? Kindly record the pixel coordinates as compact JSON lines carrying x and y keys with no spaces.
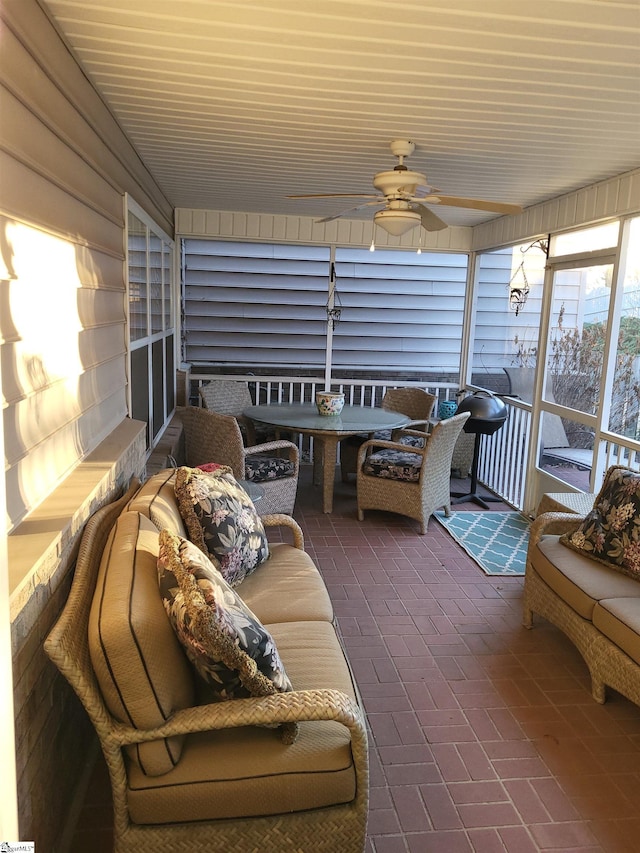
{"x":329,"y":403}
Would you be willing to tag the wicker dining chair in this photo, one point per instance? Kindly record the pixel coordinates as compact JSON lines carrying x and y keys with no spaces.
{"x":412,"y":402}
{"x":274,"y":465}
{"x":411,"y":481}
{"x":231,"y":397}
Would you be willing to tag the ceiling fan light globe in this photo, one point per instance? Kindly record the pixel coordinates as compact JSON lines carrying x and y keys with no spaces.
{"x":397,"y":222}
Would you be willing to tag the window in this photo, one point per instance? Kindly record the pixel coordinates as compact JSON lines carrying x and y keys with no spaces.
{"x":624,"y":414}
{"x":151,"y":322}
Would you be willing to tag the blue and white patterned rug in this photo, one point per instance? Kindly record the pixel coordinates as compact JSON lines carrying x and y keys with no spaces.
{"x":497,"y":541}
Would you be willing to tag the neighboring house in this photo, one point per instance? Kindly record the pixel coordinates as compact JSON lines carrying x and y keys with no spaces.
{"x":74,"y":371}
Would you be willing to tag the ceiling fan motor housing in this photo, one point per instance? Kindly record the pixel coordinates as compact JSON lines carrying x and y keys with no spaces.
{"x":400,"y":183}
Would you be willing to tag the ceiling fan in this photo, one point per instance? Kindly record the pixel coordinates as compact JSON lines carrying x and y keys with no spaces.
{"x":402,"y":194}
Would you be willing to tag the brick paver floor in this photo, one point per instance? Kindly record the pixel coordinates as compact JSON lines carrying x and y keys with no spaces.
{"x":483,"y":735}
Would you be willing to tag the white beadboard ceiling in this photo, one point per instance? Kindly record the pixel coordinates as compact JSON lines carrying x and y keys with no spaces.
{"x":235,"y":105}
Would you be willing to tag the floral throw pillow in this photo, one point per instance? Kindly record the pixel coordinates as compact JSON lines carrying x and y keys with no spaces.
{"x":610,"y":533}
{"x":227,"y":644}
{"x":221,"y":520}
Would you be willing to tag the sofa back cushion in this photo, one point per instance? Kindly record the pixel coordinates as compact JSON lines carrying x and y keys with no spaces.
{"x":140,"y":666}
{"x":610,"y":533}
{"x":156,"y":500}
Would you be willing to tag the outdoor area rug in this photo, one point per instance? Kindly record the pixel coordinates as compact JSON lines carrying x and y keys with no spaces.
{"x":497,"y":541}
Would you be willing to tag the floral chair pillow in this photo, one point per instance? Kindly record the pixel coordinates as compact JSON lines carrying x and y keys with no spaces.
{"x":394,"y":465}
{"x":229,"y":647}
{"x":221,"y":520}
{"x":610,"y":533}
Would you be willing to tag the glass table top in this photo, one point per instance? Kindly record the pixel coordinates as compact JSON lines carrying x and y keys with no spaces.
{"x":303,"y":416}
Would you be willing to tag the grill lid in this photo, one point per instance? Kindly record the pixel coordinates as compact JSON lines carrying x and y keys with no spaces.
{"x":484,"y":407}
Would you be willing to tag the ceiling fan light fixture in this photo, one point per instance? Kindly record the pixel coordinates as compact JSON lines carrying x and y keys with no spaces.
{"x":397,"y":222}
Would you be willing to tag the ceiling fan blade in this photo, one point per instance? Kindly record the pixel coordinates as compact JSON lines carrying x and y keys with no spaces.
{"x":334,"y":195}
{"x":473,"y":203}
{"x":351,"y":210}
{"x":430,"y":222}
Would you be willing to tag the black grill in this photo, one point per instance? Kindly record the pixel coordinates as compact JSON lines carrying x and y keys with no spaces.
{"x":487,"y":415}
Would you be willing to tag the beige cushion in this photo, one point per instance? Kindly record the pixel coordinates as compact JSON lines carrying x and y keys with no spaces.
{"x":619,"y":620}
{"x":287,"y":588}
{"x":247,"y":771}
{"x":142,"y":671}
{"x":579,"y":580}
{"x":156,"y":500}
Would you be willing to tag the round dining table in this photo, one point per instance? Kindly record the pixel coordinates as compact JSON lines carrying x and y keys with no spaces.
{"x":328,"y":430}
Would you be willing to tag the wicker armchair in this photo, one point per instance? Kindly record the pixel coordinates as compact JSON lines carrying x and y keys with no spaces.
{"x":228,"y":397}
{"x":274,"y":465}
{"x":411,"y":481}
{"x":211,"y":437}
{"x":322,"y":830}
{"x":412,"y":402}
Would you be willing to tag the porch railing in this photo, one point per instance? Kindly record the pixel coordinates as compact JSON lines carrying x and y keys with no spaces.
{"x":302,"y":389}
{"x":503,"y":455}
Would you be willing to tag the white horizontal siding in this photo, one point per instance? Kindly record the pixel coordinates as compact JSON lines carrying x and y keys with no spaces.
{"x":265,"y":304}
{"x":65,"y":167}
{"x":305,"y":229}
{"x":615,"y":197}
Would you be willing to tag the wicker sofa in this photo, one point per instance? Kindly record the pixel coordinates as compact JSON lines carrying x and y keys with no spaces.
{"x":594,"y":602}
{"x":187,"y":773}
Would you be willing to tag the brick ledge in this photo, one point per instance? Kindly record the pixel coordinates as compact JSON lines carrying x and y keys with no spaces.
{"x":38,"y":544}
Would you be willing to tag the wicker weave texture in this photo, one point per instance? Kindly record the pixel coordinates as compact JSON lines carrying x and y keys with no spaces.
{"x":578,"y":502}
{"x":211,"y":437}
{"x":226,"y":396}
{"x":420,"y":499}
{"x":339,"y":828}
{"x":230,"y":397}
{"x":608,"y":665}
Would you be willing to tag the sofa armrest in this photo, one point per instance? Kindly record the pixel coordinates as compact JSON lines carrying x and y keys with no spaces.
{"x":292,"y":707}
{"x":552,"y":523}
{"x":281,"y":520}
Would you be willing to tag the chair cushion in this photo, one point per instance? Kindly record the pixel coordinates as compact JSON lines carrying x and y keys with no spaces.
{"x":579,"y":580}
{"x":221,"y":520}
{"x":246,"y":772}
{"x":139,"y":664}
{"x":259,"y":469}
{"x":619,"y":620}
{"x":610,"y":533}
{"x":227,"y":644}
{"x":411,"y":441}
{"x":394,"y":465}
